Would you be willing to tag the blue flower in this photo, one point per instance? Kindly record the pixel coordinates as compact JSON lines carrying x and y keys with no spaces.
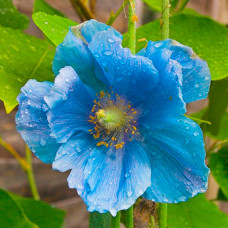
{"x":116,"y":120}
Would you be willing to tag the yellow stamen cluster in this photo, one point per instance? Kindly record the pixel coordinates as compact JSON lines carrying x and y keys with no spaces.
{"x":113,"y":119}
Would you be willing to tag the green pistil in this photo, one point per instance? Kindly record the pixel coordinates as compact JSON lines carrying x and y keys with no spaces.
{"x":111,"y":117}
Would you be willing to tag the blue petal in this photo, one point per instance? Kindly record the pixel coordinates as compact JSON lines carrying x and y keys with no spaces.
{"x":196,"y":74}
{"x":165,"y":102}
{"x":177,"y":155}
{"x":75,"y":53}
{"x":74,"y":155}
{"x":132,"y":76}
{"x":116,"y":178}
{"x":70,"y":103}
{"x":32,"y":122}
{"x":90,"y":28}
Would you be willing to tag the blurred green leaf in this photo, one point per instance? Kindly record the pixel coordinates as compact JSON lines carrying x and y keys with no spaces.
{"x":217,"y":110}
{"x":54,"y":27}
{"x":23,"y":57}
{"x":219,"y":168}
{"x":12,"y":214}
{"x":10,"y":17}
{"x":221,"y":196}
{"x":41,"y":213}
{"x":42,"y":6}
{"x":200,"y":33}
{"x":156,"y":5}
{"x":198,"y":212}
{"x":20,"y":212}
{"x":97,"y":220}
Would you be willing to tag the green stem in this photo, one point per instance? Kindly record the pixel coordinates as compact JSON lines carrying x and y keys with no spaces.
{"x":30,"y":174}
{"x":152,"y":222}
{"x":24,"y":165}
{"x":116,"y":221}
{"x":165,"y":20}
{"x":84,"y":10}
{"x":132,"y":18}
{"x":129,"y":219}
{"x":162,"y":215}
{"x":182,"y":5}
{"x":113,"y":16}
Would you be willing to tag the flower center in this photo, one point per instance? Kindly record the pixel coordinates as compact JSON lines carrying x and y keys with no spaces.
{"x":111,"y":117}
{"x":114,"y":120}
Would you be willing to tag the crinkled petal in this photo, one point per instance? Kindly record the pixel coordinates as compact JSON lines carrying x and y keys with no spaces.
{"x":75,"y":53}
{"x":116,"y":178}
{"x":74,"y":155}
{"x":196,"y":74}
{"x":70,"y":102}
{"x":177,"y":155}
{"x":32,"y":122}
{"x":129,"y":75}
{"x":90,"y":28}
{"x":165,"y":103}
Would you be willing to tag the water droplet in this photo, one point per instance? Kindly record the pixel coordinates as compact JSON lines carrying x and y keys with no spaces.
{"x":107,"y":53}
{"x":158,"y":44}
{"x":42,"y":142}
{"x":110,"y":40}
{"x":196,"y":133}
{"x":197,"y":85}
{"x":129,"y":193}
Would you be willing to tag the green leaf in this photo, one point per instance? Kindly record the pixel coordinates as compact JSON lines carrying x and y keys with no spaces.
{"x":20,"y":212}
{"x":156,"y":5}
{"x":221,"y":196}
{"x":219,"y":168}
{"x":41,"y":213}
{"x":200,"y":33}
{"x":217,"y":110}
{"x":23,"y":57}
{"x":198,"y":212}
{"x":42,"y":6}
{"x":54,"y":27}
{"x":97,"y":220}
{"x":10,"y":17}
{"x":12,"y":214}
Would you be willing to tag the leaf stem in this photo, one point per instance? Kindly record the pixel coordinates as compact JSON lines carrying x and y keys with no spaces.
{"x":162,"y":215}
{"x":182,"y":5}
{"x":115,"y":223}
{"x":82,"y":9}
{"x":129,"y":218}
{"x":113,"y":16}
{"x":23,"y":163}
{"x":30,"y":174}
{"x":132,"y":19}
{"x":165,"y":20}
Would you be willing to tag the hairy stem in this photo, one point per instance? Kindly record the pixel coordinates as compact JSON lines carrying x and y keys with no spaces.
{"x":129,"y":218}
{"x":30,"y":174}
{"x":115,"y":223}
{"x":165,"y":20}
{"x":132,"y":19}
{"x":162,"y":215}
{"x":113,"y":16}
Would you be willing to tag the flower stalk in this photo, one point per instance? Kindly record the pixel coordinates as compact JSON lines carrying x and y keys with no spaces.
{"x":113,"y":16}
{"x":162,"y":215}
{"x":132,"y":19}
{"x":165,"y":20}
{"x":30,"y":174}
{"x":115,"y":223}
